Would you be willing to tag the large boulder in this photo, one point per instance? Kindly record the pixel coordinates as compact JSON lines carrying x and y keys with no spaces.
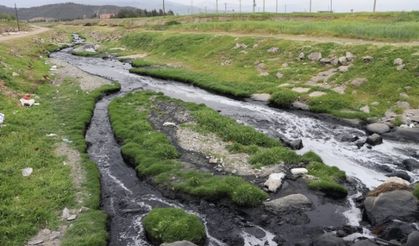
{"x":274,"y":181}
{"x":365,"y":242}
{"x":179,"y":243}
{"x":413,"y":239}
{"x":374,"y":139}
{"x":328,"y":239}
{"x":387,"y":206}
{"x":411,"y":164}
{"x":315,"y":56}
{"x":379,"y":128}
{"x":290,"y":201}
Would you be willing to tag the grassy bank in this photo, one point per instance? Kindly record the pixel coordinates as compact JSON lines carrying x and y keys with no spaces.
{"x":153,"y":155}
{"x":32,"y":203}
{"x":11,"y":26}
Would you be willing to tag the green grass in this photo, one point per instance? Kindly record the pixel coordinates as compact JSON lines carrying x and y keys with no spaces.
{"x":33,"y":203}
{"x":166,"y":225}
{"x":283,"y":98}
{"x":328,"y":179}
{"x":154,"y":156}
{"x":416,"y":191}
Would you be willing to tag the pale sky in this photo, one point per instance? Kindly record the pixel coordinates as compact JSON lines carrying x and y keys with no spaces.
{"x":291,"y":5}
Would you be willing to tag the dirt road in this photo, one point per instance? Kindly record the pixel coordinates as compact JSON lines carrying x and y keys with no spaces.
{"x":34,"y":31}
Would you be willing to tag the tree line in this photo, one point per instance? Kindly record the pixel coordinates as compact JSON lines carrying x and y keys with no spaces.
{"x":132,"y":13}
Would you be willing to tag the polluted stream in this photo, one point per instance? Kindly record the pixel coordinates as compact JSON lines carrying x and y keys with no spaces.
{"x":127,"y":198}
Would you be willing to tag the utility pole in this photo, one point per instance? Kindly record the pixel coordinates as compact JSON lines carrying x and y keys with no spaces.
{"x":216,"y":6}
{"x":254,"y":6}
{"x":276,"y":7}
{"x":310,"y":5}
{"x":191,"y":7}
{"x":375,"y":5}
{"x":285,"y":8}
{"x":225,"y":8}
{"x":17,"y":19}
{"x":240,"y":6}
{"x":263,"y":6}
{"x":331,"y":6}
{"x":164,"y":8}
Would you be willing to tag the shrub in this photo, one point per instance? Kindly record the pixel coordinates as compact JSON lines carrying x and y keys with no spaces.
{"x":165,"y":225}
{"x":274,"y":155}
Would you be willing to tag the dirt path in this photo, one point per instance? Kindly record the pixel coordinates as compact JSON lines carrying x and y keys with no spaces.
{"x":325,"y":39}
{"x":34,"y":31}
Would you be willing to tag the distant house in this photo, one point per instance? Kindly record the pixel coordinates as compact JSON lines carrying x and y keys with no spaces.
{"x":106,"y":16}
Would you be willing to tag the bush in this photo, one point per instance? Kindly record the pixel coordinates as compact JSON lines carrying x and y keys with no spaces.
{"x":283,"y":98}
{"x":165,"y":225}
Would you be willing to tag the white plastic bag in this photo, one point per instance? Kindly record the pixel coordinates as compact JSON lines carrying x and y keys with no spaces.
{"x":1,"y":118}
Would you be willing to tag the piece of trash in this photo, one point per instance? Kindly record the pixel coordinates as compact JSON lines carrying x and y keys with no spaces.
{"x":27,"y":172}
{"x":65,"y":140}
{"x":2,"y":118}
{"x":27,"y":101}
{"x":51,"y":135}
{"x":169,"y":124}
{"x":36,"y":104}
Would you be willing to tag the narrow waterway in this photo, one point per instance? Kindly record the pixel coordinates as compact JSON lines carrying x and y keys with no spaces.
{"x":127,"y":199}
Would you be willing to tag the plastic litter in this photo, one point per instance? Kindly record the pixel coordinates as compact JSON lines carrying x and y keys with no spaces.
{"x":27,"y":172}
{"x":2,"y":116}
{"x":27,"y":101}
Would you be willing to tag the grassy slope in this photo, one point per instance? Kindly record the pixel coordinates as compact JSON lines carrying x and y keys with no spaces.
{"x":203,"y":67}
{"x":11,"y":26}
{"x":32,"y":203}
{"x":154,"y":156}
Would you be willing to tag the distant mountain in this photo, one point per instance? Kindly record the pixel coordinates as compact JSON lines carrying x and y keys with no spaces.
{"x":63,"y":11}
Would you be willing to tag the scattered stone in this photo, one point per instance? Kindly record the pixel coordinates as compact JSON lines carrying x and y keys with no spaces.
{"x":404,"y":95}
{"x":379,"y":128}
{"x":36,"y":242}
{"x":14,"y":74}
{"x":285,"y":65}
{"x":328,"y":239}
{"x":400,"y":174}
{"x":400,"y":67}
{"x":317,"y":94}
{"x":375,"y":103}
{"x":396,"y":230}
{"x":262,"y":69}
{"x":290,"y":201}
{"x":274,"y":181}
{"x":398,"y":61}
{"x":411,"y":164}
{"x":301,"y":89}
{"x":340,"y":89}
{"x":299,"y":171}
{"x":213,"y":160}
{"x":396,"y":180}
{"x":403,"y":105}
{"x":413,"y":239}
{"x":315,"y":56}
{"x":367,"y":59}
{"x":240,"y":46}
{"x":273,"y":50}
{"x":65,"y":214}
{"x":26,"y":172}
{"x":365,"y":109}
{"x":398,"y":204}
{"x":374,"y":139}
{"x":263,"y":97}
{"x":179,"y":243}
{"x":342,"y":60}
{"x":358,"y":81}
{"x":349,"y":56}
{"x":169,"y":124}
{"x":326,"y":61}
{"x":72,"y":217}
{"x":295,"y":144}
{"x":279,"y":75}
{"x":348,"y":138}
{"x":301,"y":56}
{"x":343,"y":69}
{"x":300,"y":105}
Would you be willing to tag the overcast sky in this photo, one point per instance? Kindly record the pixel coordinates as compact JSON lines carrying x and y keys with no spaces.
{"x":291,"y":5}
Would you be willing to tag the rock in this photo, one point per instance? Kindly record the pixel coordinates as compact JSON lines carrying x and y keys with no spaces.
{"x":365,"y":242}
{"x":365,"y":109}
{"x":396,"y":180}
{"x":326,"y":61}
{"x":301,"y":89}
{"x":65,"y":214}
{"x":299,"y":171}
{"x":295,"y":144}
{"x":262,"y":97}
{"x":179,"y":243}
{"x":413,"y":239}
{"x":300,"y":105}
{"x":273,"y":50}
{"x":342,"y":60}
{"x":400,"y":174}
{"x":411,"y":164}
{"x":400,"y":67}
{"x":240,"y":46}
{"x":348,"y":138}
{"x":290,"y":201}
{"x":274,"y":181}
{"x":328,"y":239}
{"x":374,"y":139}
{"x":36,"y":242}
{"x":72,"y":217}
{"x":169,"y":124}
{"x":14,"y":74}
{"x":315,"y":56}
{"x":349,"y":56}
{"x":379,"y":128}
{"x":367,"y":59}
{"x":398,"y":204}
{"x":398,"y":62}
{"x":358,"y":81}
{"x":301,"y":56}
{"x":340,"y":89}
{"x":404,"y":95}
{"x":403,"y":105}
{"x":396,"y":230}
{"x":343,"y":69}
{"x":317,"y":94}
{"x":284,"y":64}
{"x":26,"y":172}
{"x":279,"y":75}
